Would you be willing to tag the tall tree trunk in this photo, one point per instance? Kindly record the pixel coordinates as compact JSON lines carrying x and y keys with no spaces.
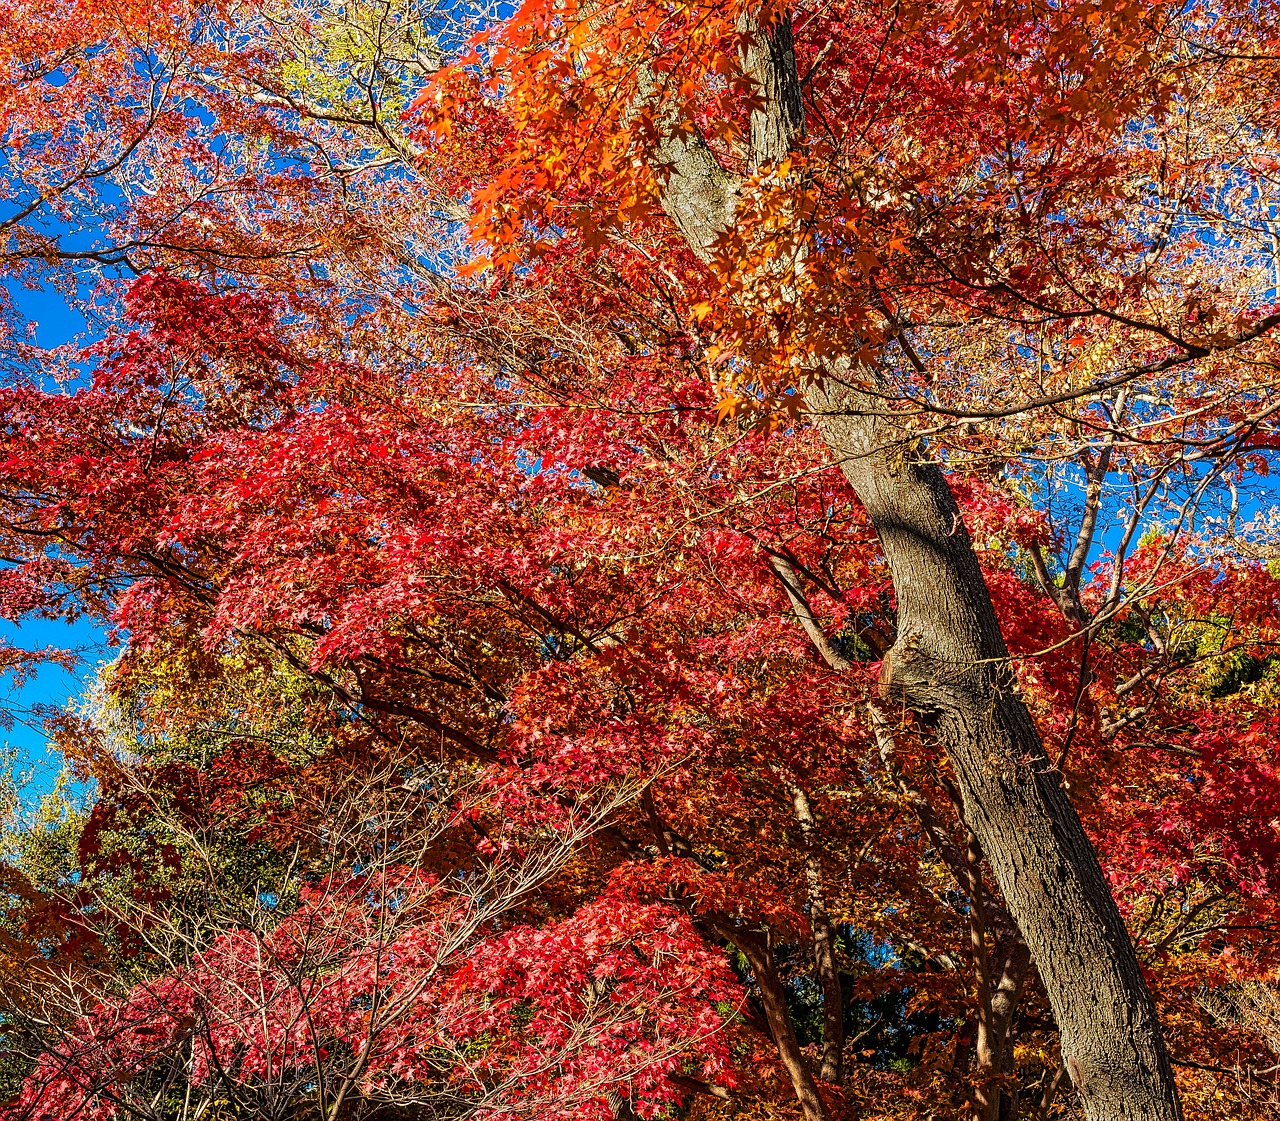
{"x":950,"y":664}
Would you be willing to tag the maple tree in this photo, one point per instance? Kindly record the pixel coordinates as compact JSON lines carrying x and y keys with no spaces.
{"x":689,"y":393}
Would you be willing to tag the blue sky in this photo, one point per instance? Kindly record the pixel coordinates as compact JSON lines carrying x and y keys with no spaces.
{"x":56,"y":323}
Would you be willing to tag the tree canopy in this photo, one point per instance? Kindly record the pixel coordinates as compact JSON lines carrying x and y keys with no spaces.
{"x":667,"y":560}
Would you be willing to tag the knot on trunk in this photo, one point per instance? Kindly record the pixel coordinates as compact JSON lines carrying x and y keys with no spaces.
{"x":929,"y":684}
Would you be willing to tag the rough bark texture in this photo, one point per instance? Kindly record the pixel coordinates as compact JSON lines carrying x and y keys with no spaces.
{"x":950,"y":664}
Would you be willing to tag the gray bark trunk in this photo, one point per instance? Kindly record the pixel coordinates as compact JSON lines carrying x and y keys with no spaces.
{"x":950,"y":664}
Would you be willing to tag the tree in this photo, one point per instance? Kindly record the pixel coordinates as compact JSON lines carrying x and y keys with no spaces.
{"x":508,"y":523}
{"x":307,"y":927}
{"x":277,"y":478}
{"x":804,"y":239}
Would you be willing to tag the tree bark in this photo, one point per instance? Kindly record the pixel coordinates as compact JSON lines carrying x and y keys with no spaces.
{"x":950,"y":665}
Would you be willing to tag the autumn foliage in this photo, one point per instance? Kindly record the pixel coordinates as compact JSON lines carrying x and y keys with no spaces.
{"x":506,"y":712}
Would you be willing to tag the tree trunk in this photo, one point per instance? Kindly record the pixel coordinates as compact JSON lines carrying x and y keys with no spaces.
{"x":824,"y":945}
{"x":773,"y":997}
{"x":950,"y":664}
